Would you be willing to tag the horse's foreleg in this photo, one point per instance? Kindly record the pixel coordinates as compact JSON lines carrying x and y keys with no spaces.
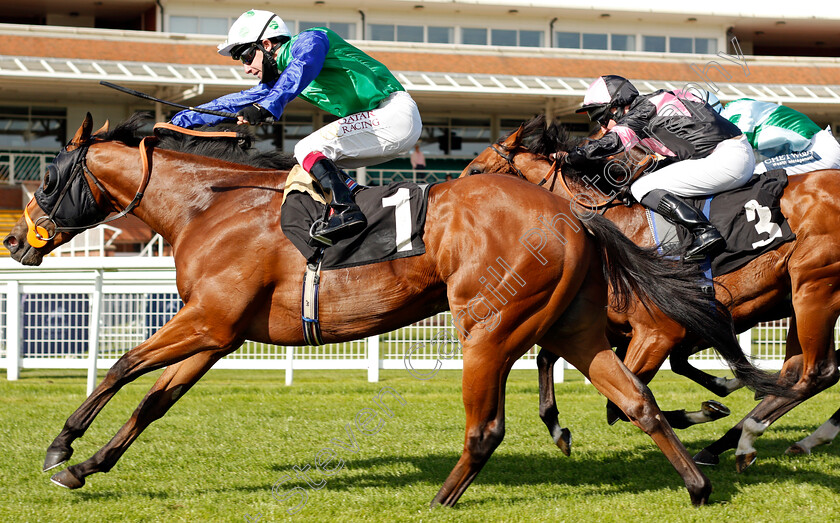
{"x":548,"y":403}
{"x":175,"y":381}
{"x":720,"y":386}
{"x":646,"y":352}
{"x":824,"y":435}
{"x":619,"y":385}
{"x":181,"y":337}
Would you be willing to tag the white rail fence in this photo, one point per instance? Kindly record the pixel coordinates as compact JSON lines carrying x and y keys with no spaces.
{"x":84,"y":313}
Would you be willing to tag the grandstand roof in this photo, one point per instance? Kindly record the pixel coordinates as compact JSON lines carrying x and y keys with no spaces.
{"x":522,"y":78}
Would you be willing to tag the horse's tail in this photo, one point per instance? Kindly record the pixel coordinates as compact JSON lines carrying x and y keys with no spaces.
{"x":674,"y":288}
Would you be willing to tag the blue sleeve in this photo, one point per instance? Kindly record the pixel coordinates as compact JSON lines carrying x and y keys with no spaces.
{"x":308,"y":54}
{"x":231,"y":103}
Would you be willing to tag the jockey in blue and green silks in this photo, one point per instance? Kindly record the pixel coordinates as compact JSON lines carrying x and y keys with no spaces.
{"x":378,"y":119}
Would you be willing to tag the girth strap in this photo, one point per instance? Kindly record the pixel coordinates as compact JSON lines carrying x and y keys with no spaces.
{"x":309,"y":300}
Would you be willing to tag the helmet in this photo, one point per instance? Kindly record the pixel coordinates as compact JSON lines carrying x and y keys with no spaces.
{"x":714,"y":101}
{"x":605,"y":92}
{"x":253,"y":26}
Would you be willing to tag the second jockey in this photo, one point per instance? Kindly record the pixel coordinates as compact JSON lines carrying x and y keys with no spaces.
{"x":712,"y":154}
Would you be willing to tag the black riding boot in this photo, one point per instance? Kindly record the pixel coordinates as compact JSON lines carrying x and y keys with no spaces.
{"x":707,"y":239}
{"x":346,"y":219}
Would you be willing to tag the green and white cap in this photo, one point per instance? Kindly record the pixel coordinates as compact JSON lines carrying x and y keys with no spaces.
{"x":253,"y":26}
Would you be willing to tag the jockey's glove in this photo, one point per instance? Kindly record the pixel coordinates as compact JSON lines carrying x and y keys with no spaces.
{"x":255,"y":114}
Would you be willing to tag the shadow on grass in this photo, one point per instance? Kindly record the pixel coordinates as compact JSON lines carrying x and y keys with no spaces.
{"x":637,"y":471}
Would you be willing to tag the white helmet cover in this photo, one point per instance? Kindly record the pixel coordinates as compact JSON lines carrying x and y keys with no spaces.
{"x":248,"y":26}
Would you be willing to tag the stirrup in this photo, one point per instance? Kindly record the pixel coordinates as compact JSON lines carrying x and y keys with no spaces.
{"x":320,"y":223}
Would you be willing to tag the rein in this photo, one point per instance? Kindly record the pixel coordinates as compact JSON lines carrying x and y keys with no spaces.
{"x":553,"y":170}
{"x":38,"y":236}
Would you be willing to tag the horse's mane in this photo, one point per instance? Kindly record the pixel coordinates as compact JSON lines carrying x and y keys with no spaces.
{"x":237,"y":150}
{"x":543,"y":139}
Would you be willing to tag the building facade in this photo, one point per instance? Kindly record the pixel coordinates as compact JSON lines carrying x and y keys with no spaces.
{"x":476,"y":68}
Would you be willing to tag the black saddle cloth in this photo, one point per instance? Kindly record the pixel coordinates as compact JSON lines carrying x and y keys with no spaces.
{"x":749,"y":218}
{"x":396,"y":216}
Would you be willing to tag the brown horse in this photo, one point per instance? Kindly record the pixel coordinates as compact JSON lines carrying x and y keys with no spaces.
{"x":802,"y":274}
{"x":240,"y":278}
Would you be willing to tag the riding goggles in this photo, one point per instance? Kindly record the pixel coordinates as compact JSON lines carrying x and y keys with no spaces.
{"x":244,"y":53}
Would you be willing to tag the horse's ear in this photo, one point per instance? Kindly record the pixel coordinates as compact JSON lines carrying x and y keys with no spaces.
{"x":103,"y":129}
{"x":514,"y":138}
{"x":83,"y":134}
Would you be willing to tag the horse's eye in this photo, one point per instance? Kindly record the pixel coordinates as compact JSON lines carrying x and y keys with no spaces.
{"x":475,"y":169}
{"x":50,"y":180}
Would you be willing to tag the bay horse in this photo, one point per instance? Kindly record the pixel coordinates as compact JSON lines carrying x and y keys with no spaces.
{"x":240,"y":278}
{"x":801,"y":276}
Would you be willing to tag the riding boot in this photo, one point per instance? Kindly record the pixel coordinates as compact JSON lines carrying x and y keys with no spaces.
{"x":346,"y":219}
{"x":707,"y":239}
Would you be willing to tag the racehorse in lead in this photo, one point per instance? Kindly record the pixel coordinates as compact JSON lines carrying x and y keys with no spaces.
{"x":800,"y":276}
{"x":240,"y":278}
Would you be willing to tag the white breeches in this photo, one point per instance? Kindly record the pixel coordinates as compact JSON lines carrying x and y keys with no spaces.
{"x":729,"y":166}
{"x":823,"y":144}
{"x":369,"y":137}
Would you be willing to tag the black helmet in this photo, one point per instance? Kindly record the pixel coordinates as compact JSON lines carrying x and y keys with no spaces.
{"x":605,"y":92}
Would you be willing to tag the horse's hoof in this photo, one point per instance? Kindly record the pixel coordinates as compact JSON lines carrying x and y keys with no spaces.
{"x":743,"y":461}
{"x":57,"y":457}
{"x":564,"y":442}
{"x":715,"y":410}
{"x":797,"y":450}
{"x":66,"y":479}
{"x":704,"y":457}
{"x":702,"y":497}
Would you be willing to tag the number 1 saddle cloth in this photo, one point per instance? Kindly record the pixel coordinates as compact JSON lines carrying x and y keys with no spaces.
{"x":749,"y":218}
{"x":396,"y":216}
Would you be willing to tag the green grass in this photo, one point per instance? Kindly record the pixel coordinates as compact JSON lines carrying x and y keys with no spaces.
{"x":216,"y":454}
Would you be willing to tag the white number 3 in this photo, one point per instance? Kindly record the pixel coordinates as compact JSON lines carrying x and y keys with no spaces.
{"x":754,"y":209}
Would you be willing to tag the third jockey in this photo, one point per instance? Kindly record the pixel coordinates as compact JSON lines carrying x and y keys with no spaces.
{"x":378,"y":119}
{"x":712,"y":154}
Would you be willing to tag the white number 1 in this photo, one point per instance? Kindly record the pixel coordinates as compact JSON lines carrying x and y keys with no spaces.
{"x":402,"y":214}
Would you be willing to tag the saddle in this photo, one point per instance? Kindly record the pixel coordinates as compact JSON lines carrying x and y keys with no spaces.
{"x":396,"y":216}
{"x":749,"y":218}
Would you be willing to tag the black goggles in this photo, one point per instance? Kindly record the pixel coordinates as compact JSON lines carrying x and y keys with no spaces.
{"x":244,"y":53}
{"x":602,"y":115}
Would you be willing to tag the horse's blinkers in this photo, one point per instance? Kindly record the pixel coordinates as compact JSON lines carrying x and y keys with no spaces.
{"x":65,"y":196}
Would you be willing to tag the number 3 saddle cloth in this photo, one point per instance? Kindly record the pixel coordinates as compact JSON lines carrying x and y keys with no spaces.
{"x":749,"y":218}
{"x":396,"y":216}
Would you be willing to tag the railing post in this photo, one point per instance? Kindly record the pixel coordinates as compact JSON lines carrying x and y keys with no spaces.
{"x":745,"y":341}
{"x":93,"y":331}
{"x":560,"y":371}
{"x":290,"y":354}
{"x":361,"y":176}
{"x":12,"y":168}
{"x":14,"y":333}
{"x":373,"y":358}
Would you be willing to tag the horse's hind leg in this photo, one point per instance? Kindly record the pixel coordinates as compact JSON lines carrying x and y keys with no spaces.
{"x":184,"y":335}
{"x":483,"y":389}
{"x":175,"y":381}
{"x":548,"y":403}
{"x":810,"y":371}
{"x":619,"y":385}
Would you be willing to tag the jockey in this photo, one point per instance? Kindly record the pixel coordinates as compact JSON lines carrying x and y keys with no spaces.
{"x":713,"y":154}
{"x":378,"y":119}
{"x":783,"y":138}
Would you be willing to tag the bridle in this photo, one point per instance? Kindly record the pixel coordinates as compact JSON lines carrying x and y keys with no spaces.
{"x":555,"y":173}
{"x":38,"y":235}
{"x":552,"y":171}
